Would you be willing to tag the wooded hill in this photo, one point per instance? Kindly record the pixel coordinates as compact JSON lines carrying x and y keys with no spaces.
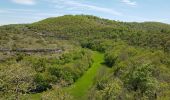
{"x":137,"y":57}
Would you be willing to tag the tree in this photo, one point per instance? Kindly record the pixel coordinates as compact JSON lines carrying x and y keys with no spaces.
{"x":16,"y":80}
{"x":56,"y":95}
{"x":142,"y":81}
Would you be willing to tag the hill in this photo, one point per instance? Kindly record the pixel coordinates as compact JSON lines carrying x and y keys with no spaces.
{"x":136,"y":59}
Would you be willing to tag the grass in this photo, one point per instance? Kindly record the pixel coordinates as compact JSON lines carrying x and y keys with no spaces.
{"x":79,"y":90}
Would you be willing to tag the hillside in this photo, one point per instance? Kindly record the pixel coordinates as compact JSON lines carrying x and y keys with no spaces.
{"x":136,"y":59}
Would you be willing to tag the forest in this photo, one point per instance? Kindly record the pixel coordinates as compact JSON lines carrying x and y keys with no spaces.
{"x":98,"y":59}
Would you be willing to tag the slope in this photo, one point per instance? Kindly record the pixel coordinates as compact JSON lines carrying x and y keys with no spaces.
{"x":80,"y":88}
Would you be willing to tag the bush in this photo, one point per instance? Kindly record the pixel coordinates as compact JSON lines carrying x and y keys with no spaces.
{"x":40,"y":65}
{"x":56,"y":95}
{"x":42,"y":84}
{"x":108,"y":89}
{"x":61,"y":75}
{"x":141,"y":79}
{"x":16,"y":80}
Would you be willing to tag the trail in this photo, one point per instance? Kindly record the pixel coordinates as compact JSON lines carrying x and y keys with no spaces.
{"x":80,"y":88}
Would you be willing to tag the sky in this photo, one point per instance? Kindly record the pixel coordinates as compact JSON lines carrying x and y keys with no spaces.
{"x":28,"y":11}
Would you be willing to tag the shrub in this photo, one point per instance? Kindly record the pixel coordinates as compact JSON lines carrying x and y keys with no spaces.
{"x":61,"y":75}
{"x":141,"y":79}
{"x":42,"y":84}
{"x":56,"y":95}
{"x":40,"y":65}
{"x":16,"y":80}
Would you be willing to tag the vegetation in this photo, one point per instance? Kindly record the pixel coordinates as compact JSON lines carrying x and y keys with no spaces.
{"x":136,"y":73}
{"x":136,"y":58}
{"x":81,"y":87}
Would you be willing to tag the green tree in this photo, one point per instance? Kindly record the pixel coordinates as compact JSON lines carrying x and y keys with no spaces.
{"x":16,"y":80}
{"x":142,"y":81}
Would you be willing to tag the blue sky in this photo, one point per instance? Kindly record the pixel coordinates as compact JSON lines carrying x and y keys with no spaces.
{"x":27,"y":11}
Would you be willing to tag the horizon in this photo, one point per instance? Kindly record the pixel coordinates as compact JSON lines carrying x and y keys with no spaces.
{"x":89,"y":15}
{"x":29,"y":11}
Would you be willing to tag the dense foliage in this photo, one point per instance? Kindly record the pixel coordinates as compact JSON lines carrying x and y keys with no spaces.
{"x":137,"y":56}
{"x":35,"y":74}
{"x":140,"y":73}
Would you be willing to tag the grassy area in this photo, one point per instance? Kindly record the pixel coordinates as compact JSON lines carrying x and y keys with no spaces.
{"x":80,"y":88}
